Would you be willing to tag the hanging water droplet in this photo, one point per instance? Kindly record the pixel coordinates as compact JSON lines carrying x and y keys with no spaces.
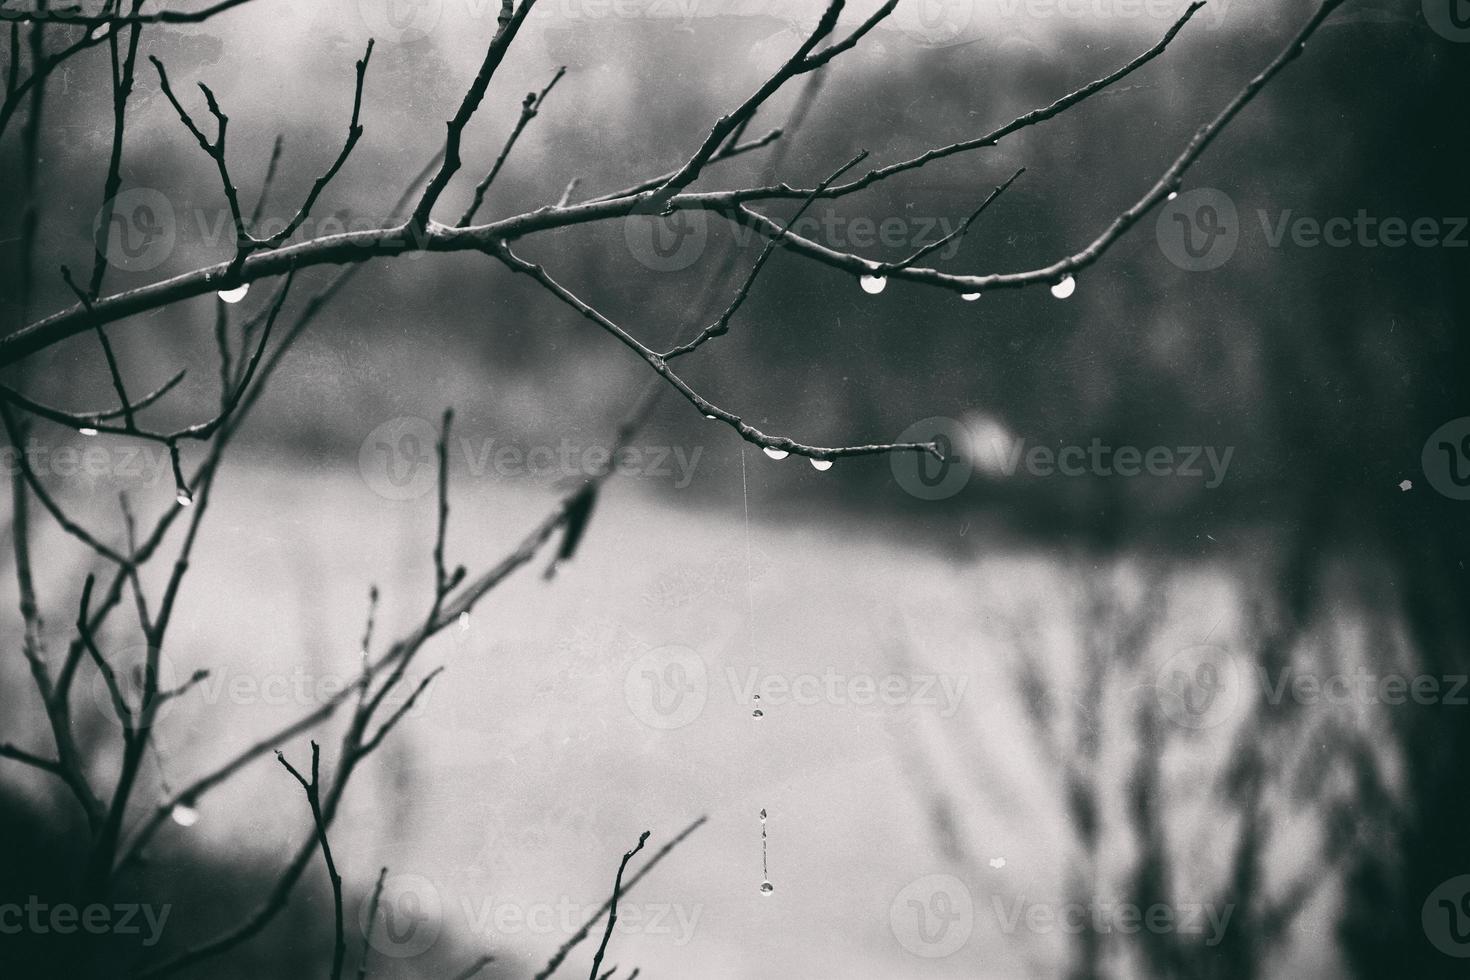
{"x":99,"y":32}
{"x":775,"y":453}
{"x":821,"y":465}
{"x":969,"y":297}
{"x":234,"y":295}
{"x":87,"y":430}
{"x":1173,"y":194}
{"x":1064,"y":287}
{"x":185,"y":815}
{"x":763,"y":814}
{"x":184,"y":498}
{"x":757,"y":713}
{"x":711,"y":418}
{"x":873,"y":285}
{"x":767,"y":888}
{"x":464,"y":621}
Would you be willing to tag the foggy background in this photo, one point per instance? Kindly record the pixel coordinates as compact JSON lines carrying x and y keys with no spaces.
{"x":1064,"y":767}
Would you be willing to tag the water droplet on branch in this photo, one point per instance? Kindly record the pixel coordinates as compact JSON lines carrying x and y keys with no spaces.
{"x":185,"y":815}
{"x":821,"y":465}
{"x":969,"y":297}
{"x":873,"y":285}
{"x":87,"y":430}
{"x":775,"y":453}
{"x":234,"y":295}
{"x":1064,"y":287}
{"x":184,"y":498}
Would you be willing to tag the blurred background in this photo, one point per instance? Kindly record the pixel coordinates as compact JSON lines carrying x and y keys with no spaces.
{"x":1014,"y":721}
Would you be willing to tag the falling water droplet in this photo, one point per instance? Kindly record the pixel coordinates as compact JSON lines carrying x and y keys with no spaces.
{"x":969,"y":297}
{"x":821,"y":465}
{"x":757,"y":713}
{"x":185,"y":815}
{"x":775,"y":453}
{"x":185,"y":498}
{"x":234,"y":295}
{"x":766,"y":886}
{"x":87,"y":430}
{"x":1064,"y":287}
{"x":873,"y":285}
